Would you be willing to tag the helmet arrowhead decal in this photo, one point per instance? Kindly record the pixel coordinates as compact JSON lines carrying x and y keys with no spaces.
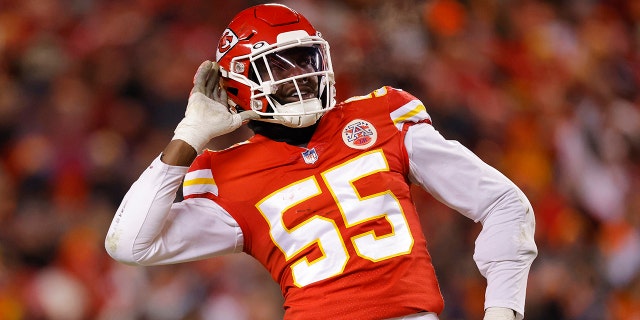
{"x":227,"y":41}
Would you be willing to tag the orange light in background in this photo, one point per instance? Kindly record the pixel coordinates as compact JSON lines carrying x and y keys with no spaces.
{"x":445,"y":17}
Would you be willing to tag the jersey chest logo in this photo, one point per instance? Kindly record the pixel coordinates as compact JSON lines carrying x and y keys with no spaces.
{"x":359,"y":134}
{"x":310,"y":156}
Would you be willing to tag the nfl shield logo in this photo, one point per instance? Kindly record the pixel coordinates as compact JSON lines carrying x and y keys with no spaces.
{"x":310,"y":156}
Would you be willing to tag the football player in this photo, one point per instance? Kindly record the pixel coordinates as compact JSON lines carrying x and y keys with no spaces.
{"x":320,"y":195}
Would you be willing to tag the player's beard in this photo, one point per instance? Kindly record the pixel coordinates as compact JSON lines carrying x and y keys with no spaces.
{"x":293,"y":136}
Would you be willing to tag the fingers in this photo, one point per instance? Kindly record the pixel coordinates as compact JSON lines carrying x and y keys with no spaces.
{"x":248,"y":115}
{"x":207,"y":80}
{"x":220,"y":95}
{"x":212,"y":79}
{"x":201,"y":76}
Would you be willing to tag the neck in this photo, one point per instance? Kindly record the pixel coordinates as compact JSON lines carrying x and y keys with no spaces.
{"x":294,"y":136}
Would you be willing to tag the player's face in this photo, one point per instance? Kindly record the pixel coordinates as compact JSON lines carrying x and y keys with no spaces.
{"x":294,"y":62}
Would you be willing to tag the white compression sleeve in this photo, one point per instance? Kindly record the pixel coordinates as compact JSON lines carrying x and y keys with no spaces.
{"x":149,"y":228}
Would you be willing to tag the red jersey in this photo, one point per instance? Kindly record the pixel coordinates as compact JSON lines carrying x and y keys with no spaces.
{"x":334,"y":223}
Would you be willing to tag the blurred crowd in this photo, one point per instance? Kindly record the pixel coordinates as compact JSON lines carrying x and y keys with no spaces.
{"x":545,"y":91}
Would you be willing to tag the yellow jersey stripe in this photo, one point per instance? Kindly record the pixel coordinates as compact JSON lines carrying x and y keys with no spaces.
{"x":419,"y":108}
{"x":413,"y":111}
{"x":198,"y":181}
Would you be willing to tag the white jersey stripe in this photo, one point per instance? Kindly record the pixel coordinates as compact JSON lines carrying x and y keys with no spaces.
{"x":199,"y":189}
{"x":203,"y":173}
{"x":413,"y":111}
{"x":198,"y":182}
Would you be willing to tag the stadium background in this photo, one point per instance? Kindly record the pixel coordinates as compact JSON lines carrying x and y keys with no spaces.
{"x":545,"y":91}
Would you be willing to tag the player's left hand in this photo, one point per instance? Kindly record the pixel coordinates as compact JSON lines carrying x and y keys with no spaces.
{"x":497,"y":313}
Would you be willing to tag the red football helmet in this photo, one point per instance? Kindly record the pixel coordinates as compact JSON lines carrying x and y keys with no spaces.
{"x":274,"y":62}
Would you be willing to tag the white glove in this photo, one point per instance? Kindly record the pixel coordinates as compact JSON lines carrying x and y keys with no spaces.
{"x":207,"y":115}
{"x":498,"y":313}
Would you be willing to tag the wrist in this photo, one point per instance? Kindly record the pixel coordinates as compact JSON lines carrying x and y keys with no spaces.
{"x":191,"y":133}
{"x":178,"y":153}
{"x":499,"y":313}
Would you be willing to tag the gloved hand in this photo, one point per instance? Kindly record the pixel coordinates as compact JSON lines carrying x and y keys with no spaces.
{"x":497,"y":313}
{"x":207,"y":115}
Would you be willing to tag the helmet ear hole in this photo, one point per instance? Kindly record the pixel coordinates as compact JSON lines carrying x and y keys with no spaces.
{"x":233,"y":91}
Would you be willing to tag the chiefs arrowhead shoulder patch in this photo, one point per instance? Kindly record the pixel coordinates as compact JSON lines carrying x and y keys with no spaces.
{"x":359,"y":134}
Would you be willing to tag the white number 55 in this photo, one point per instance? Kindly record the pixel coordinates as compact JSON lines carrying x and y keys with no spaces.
{"x":324,"y":233}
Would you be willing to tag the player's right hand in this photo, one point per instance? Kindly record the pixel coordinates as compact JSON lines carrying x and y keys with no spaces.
{"x":207,"y":115}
